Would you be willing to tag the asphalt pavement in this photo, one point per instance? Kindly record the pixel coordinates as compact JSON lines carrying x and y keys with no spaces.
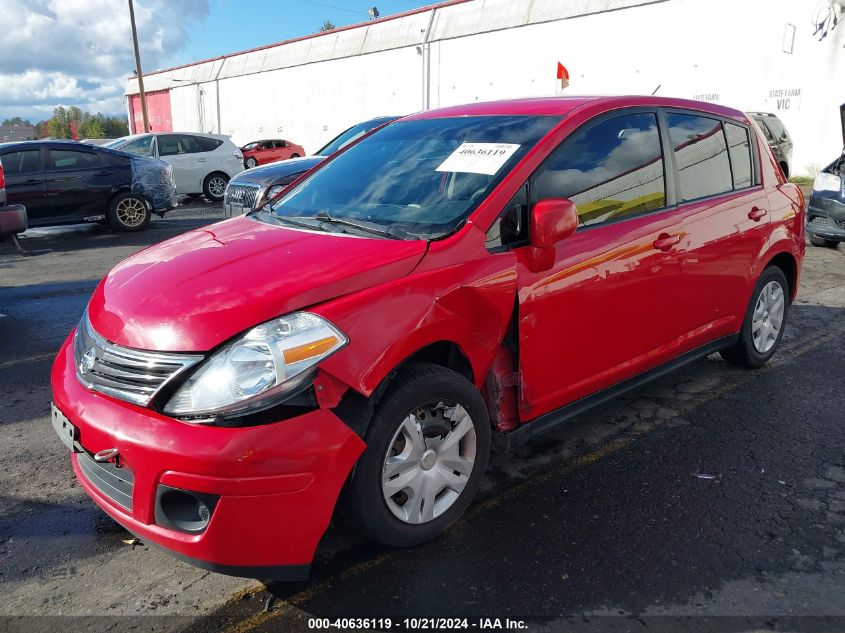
{"x":712,"y":499}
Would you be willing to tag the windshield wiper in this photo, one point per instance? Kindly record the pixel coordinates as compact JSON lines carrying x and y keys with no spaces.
{"x":367,"y":227}
{"x":283,"y":219}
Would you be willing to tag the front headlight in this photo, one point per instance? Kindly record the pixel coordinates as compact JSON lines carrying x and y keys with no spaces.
{"x":827,"y":182}
{"x":253,"y":371}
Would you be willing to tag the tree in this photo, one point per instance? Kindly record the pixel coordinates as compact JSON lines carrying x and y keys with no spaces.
{"x":59,"y":124}
{"x":91,"y":128}
{"x":328,"y":25}
{"x":16,"y":120}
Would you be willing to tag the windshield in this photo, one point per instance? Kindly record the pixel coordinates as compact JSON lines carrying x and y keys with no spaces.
{"x":418,"y":179}
{"x":118,"y":142}
{"x":252,"y":145}
{"x":345,"y":138}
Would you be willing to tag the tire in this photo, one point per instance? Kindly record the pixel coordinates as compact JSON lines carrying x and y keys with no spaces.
{"x":420,"y":389}
{"x":294,"y":155}
{"x":815,"y":240}
{"x":214,"y":186}
{"x":128,"y":212}
{"x":250,"y":162}
{"x":761,"y":335}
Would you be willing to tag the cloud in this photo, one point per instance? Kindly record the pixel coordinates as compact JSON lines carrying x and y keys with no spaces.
{"x":79,"y":52}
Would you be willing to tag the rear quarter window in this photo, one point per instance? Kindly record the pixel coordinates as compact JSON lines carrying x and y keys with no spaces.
{"x":209,"y":144}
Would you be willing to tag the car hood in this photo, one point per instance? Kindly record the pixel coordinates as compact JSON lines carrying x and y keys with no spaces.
{"x":197,"y":290}
{"x":272,"y":173}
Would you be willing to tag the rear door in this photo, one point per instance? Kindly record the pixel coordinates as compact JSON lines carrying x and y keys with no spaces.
{"x":189,"y":161}
{"x":724,"y":212}
{"x":607,"y":308}
{"x":24,"y":169}
{"x":78,"y":183}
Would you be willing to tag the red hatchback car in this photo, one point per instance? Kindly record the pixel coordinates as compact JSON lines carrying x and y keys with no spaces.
{"x":263,"y":152}
{"x":463,"y":276}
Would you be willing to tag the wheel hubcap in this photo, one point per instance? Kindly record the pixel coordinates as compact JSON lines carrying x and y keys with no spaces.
{"x":131,"y":212}
{"x":767,"y":320}
{"x":217,"y":186}
{"x":429,"y":462}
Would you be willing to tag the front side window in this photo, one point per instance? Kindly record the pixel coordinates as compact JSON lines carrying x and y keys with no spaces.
{"x":701,"y":155}
{"x":63,"y":159}
{"x":421,"y":178}
{"x":20,"y":163}
{"x":140,"y":146}
{"x":611,"y":170}
{"x":740,"y":152}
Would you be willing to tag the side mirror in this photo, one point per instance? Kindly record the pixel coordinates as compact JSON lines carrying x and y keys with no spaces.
{"x":552,"y":220}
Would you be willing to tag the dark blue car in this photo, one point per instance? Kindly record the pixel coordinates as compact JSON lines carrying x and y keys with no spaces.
{"x":826,"y":211}
{"x":65,"y":182}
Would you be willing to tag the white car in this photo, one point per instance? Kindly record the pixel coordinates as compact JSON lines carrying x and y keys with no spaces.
{"x":202,"y":163}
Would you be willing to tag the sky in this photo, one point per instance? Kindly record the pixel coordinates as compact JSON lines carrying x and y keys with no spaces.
{"x":79,"y":52}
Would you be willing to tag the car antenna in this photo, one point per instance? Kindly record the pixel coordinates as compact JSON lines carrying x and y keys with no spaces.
{"x":656,"y":89}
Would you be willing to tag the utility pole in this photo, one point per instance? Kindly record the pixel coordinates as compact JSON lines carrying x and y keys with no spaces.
{"x":138,"y":67}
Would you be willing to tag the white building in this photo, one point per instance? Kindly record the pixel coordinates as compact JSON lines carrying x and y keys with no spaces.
{"x":752,"y":55}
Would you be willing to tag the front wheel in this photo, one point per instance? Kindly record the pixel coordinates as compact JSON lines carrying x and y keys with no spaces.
{"x":214,"y":186}
{"x":250,"y":162}
{"x":128,"y":212}
{"x":815,"y":240}
{"x":427,"y":449}
{"x":765,"y":321}
{"x":294,"y":155}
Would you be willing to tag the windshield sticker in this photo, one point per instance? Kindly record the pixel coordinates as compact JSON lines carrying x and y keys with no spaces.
{"x":478,"y":158}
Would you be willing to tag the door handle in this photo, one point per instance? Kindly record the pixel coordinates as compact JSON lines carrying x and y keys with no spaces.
{"x":32,"y":181}
{"x":201,"y":160}
{"x":756,"y":214}
{"x":665,"y":242}
{"x":103,"y":173}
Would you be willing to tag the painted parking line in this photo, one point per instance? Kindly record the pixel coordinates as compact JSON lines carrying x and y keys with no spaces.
{"x":289,"y":605}
{"x":37,"y":358}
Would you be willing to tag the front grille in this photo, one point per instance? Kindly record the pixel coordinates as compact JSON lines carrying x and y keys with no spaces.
{"x":115,"y":483}
{"x":245,"y":195}
{"x":129,"y":374}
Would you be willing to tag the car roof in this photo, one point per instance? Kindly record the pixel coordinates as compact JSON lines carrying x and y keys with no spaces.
{"x":561,"y":106}
{"x":47,"y":141}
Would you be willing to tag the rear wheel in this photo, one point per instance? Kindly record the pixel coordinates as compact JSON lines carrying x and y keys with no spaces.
{"x":815,"y":240}
{"x":128,"y":212}
{"x":765,"y":321}
{"x":427,"y":449}
{"x":214,"y":186}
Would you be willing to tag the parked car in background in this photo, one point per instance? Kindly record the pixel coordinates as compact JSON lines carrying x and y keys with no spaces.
{"x":480,"y":271}
{"x":65,"y":182}
{"x":826,"y":210}
{"x":777,"y":137}
{"x":269,"y":151}
{"x":202,"y":164}
{"x":255,"y":186}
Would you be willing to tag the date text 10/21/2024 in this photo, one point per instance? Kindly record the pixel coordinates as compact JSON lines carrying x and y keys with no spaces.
{"x":409,"y":624}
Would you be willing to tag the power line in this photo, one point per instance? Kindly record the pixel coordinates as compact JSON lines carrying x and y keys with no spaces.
{"x":331,"y":6}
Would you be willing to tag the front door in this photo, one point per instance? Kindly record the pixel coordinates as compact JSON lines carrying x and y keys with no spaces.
{"x":78,"y":186}
{"x":606,"y":309}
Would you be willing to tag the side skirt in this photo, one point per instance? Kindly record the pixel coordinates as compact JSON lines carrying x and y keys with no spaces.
{"x":550,"y":421}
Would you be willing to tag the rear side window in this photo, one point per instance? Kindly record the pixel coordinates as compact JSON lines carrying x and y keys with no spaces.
{"x":207,"y":144}
{"x":612,"y":170}
{"x":174,"y":144}
{"x":62,"y":159}
{"x":739,"y":150}
{"x":23,"y":162}
{"x":701,"y":155}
